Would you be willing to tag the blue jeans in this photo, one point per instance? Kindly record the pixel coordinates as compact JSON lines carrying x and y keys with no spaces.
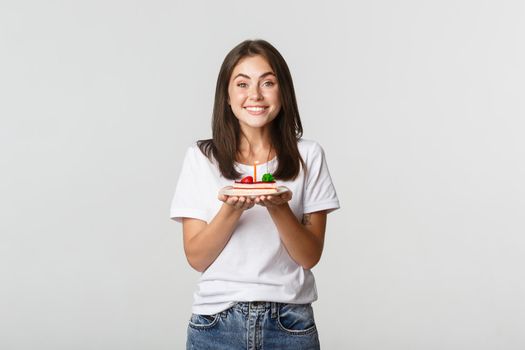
{"x":255,"y":326}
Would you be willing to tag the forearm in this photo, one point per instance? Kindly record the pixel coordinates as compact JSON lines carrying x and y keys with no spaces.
{"x":204,"y":247}
{"x":302,"y":245}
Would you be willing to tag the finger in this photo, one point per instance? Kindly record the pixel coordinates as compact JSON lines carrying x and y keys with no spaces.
{"x":232,"y":200}
{"x":261,"y":200}
{"x":272,"y":199}
{"x":249,"y":204}
{"x":286,"y":196}
{"x":242,"y":202}
{"x":267,"y":203}
{"x":237,"y":205}
{"x":275,"y":201}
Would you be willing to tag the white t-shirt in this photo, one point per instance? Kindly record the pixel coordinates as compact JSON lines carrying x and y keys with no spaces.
{"x":254,"y":265}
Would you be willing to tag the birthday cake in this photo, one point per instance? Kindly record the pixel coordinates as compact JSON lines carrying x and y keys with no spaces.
{"x":247,"y":186}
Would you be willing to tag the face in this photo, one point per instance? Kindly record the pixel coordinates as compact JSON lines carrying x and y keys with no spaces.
{"x":253,"y":92}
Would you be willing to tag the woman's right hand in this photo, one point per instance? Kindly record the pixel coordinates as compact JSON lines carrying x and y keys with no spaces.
{"x":237,"y":202}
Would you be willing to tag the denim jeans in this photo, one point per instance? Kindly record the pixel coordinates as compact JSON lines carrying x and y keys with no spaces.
{"x":255,"y":326}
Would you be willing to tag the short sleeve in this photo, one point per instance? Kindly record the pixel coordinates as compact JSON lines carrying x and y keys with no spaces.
{"x":189,"y":199}
{"x":320,"y":192}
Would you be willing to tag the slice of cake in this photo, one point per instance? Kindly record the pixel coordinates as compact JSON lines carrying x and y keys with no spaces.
{"x":248,"y":187}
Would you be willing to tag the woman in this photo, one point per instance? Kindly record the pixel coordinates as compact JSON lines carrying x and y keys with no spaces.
{"x":255,"y":255}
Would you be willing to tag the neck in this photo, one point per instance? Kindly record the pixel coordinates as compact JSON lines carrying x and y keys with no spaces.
{"x":255,"y":145}
{"x":255,"y":139}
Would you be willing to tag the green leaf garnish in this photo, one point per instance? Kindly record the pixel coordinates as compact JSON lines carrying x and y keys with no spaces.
{"x":267,"y":178}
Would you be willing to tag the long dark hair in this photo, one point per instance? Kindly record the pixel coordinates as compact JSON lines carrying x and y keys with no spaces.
{"x":286,"y":128}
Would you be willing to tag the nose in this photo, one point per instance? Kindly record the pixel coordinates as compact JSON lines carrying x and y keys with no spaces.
{"x":255,"y":93}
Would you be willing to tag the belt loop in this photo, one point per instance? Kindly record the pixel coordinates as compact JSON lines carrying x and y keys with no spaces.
{"x":274,"y":310}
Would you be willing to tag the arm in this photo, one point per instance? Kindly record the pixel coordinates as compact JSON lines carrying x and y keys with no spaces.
{"x":303,"y":241}
{"x":203,"y":242}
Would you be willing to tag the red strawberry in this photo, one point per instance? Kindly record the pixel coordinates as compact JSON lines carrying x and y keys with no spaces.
{"x":247,"y":180}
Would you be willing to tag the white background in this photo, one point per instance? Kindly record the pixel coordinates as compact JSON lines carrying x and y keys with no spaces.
{"x":419,"y":106}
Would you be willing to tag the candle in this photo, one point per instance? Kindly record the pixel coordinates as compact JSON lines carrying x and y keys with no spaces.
{"x":255,"y":170}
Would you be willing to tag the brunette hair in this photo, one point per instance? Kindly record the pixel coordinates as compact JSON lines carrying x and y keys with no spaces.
{"x":286,"y":128}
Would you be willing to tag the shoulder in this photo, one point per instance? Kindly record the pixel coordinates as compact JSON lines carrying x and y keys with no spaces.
{"x":193,"y":149}
{"x":195,"y":154}
{"x":309,"y":148}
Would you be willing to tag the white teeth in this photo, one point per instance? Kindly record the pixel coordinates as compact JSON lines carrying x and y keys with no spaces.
{"x":255,"y":109}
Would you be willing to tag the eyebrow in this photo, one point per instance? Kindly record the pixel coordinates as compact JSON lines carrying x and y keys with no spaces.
{"x":248,"y":77}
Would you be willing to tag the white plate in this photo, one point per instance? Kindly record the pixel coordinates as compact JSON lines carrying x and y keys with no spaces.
{"x":229,"y":191}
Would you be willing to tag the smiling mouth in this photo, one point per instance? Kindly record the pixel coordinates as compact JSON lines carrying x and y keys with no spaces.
{"x":255,"y":109}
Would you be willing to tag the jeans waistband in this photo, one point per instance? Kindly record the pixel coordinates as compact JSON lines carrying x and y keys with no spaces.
{"x":257,"y":306}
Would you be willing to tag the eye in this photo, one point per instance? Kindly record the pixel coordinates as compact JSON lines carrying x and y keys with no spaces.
{"x":268,"y":83}
{"x":242,"y":85}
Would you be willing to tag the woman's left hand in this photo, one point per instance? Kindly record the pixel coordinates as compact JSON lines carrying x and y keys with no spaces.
{"x":274,"y":201}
